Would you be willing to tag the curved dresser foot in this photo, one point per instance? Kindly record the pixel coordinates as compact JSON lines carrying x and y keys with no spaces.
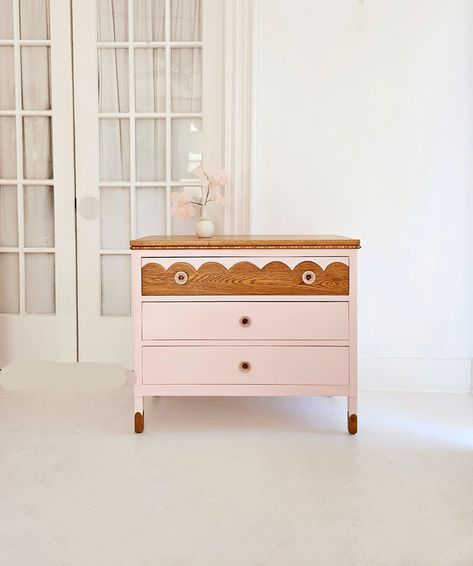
{"x":352,"y":423}
{"x":139,"y":422}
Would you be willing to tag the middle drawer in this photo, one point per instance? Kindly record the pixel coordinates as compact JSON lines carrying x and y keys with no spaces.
{"x":245,"y":321}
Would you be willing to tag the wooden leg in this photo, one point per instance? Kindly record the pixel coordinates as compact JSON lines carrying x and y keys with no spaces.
{"x":352,"y":417}
{"x":139,"y":415}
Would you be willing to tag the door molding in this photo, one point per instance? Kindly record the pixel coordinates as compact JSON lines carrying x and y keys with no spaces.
{"x":239,"y":27}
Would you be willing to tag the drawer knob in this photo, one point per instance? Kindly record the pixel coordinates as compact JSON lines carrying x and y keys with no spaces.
{"x":181,"y":277}
{"x":308,"y":277}
{"x":245,"y":367}
{"x":245,"y":321}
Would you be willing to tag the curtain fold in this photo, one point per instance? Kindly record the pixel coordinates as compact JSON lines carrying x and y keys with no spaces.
{"x":7,"y":84}
{"x":35,"y":78}
{"x":149,"y":20}
{"x":8,"y":216}
{"x":186,"y":24}
{"x":34,"y":19}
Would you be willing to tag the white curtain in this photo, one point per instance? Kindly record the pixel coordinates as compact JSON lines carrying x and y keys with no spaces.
{"x":149,"y":20}
{"x":7,"y":84}
{"x":8,"y":216}
{"x":186,"y":21}
{"x":150,"y":80}
{"x":112,"y":20}
{"x":34,"y":19}
{"x":6,"y":19}
{"x":186,"y":75}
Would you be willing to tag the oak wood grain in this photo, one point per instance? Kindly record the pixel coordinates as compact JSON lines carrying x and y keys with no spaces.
{"x":245,"y":278}
{"x":245,"y":242}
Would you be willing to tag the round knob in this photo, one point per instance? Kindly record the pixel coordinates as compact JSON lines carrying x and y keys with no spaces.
{"x":245,"y":367}
{"x":181,"y":277}
{"x":245,"y":321}
{"x":308,"y":277}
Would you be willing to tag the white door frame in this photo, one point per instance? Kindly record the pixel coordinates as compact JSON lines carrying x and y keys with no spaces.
{"x":239,"y":119}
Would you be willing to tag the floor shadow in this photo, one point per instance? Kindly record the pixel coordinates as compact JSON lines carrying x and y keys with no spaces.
{"x":326,"y":415}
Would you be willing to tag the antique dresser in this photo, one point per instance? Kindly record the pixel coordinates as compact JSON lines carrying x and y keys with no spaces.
{"x":245,"y":315}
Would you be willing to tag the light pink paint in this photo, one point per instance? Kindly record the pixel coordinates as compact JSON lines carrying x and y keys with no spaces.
{"x":269,"y":365}
{"x":267,"y":320}
{"x":294,"y":345}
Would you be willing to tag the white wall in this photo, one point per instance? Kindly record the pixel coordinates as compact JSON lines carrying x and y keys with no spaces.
{"x":364,"y":127}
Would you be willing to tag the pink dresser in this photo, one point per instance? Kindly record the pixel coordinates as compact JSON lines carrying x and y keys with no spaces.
{"x":245,"y":315}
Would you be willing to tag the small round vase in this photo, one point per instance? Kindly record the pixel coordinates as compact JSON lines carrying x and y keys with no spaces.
{"x":205,"y":227}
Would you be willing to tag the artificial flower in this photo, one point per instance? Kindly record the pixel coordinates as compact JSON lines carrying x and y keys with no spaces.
{"x":182,"y":206}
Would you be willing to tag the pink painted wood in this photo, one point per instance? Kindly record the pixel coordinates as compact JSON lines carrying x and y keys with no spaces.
{"x":246,"y":365}
{"x":245,"y":321}
{"x":204,"y":390}
{"x":181,"y":328}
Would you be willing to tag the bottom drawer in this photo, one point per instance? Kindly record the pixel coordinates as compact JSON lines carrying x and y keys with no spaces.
{"x":289,"y":365}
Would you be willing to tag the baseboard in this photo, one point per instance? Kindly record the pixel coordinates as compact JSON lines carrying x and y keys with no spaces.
{"x":415,"y":374}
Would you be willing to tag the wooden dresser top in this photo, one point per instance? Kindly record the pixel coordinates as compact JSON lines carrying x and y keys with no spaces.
{"x":243,"y":242}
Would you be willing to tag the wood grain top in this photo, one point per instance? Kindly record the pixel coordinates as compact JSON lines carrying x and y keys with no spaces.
{"x":244,"y":242}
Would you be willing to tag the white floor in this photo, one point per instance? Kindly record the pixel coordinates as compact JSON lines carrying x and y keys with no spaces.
{"x":222,"y":481}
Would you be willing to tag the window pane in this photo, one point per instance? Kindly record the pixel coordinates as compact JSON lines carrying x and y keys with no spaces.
{"x":40,"y":284}
{"x":113,"y":80}
{"x":112,"y":20}
{"x":150,"y":80}
{"x":34,"y":19}
{"x":116,"y":285}
{"x":7,"y":84}
{"x":114,"y":149}
{"x":149,"y":20}
{"x":186,"y":20}
{"x":6,"y":19}
{"x":39,"y":216}
{"x":115,"y":217}
{"x":186,"y":86}
{"x":37,"y":147}
{"x":9,"y":283}
{"x":150,"y":211}
{"x":8,"y":147}
{"x":35,"y":78}
{"x":150,"y":150}
{"x":187,"y":146}
{"x":8,"y":216}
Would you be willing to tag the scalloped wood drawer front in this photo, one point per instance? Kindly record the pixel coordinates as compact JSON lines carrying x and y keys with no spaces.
{"x":277,"y":365}
{"x":306,"y":276}
{"x":245,"y":321}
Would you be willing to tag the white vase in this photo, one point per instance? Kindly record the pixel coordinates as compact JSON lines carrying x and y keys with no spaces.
{"x":205,"y":227}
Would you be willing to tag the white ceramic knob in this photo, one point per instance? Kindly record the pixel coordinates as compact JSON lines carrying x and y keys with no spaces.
{"x":308,"y":277}
{"x":181,"y":277}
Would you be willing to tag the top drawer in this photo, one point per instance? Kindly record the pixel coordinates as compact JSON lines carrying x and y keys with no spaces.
{"x":238,"y":276}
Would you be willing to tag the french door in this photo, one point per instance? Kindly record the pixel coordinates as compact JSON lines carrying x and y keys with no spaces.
{"x":148,"y":86}
{"x":37,"y":216}
{"x":99,"y":126}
